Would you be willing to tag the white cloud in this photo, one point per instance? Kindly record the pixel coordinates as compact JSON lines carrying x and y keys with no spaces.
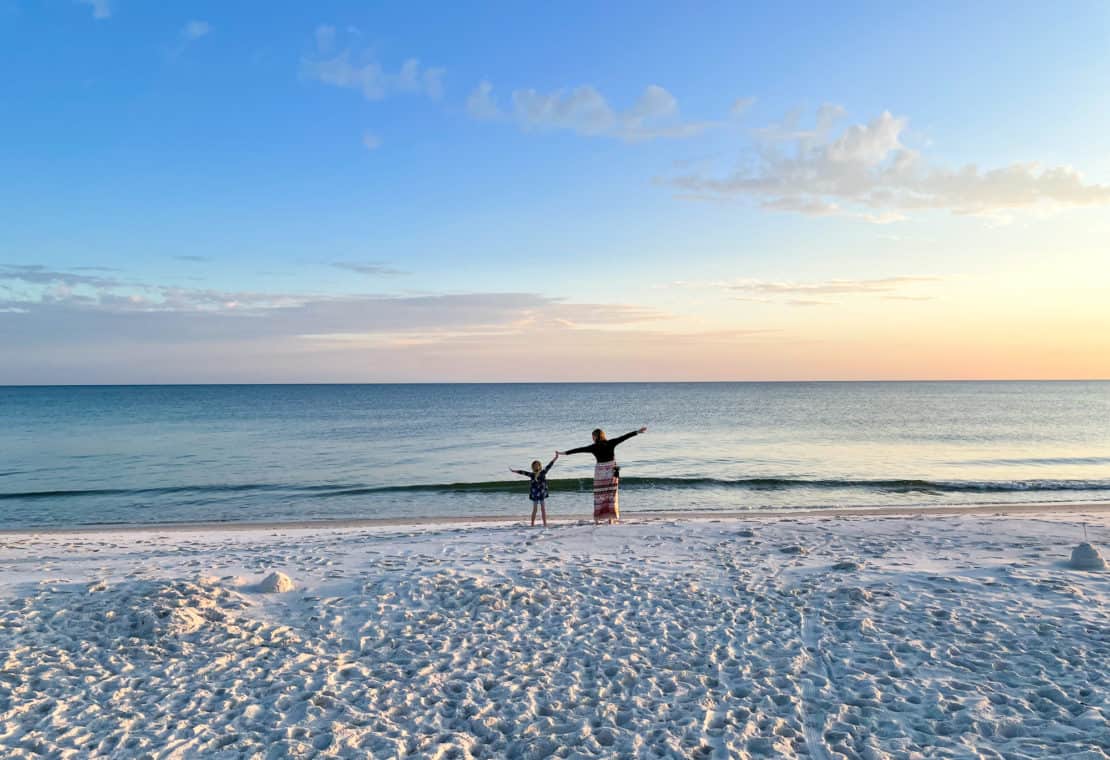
{"x":372,"y":268}
{"x":101,"y":9}
{"x":360,"y":71}
{"x":815,"y":293}
{"x":481,"y":104}
{"x":194,"y":30}
{"x":325,"y":38}
{"x":809,"y":302}
{"x":826,"y":287}
{"x":740,"y":107}
{"x":371,"y":141}
{"x":867,"y":172}
{"x":585,"y":111}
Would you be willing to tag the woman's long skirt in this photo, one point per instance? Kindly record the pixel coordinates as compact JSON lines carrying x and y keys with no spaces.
{"x":606,"y":492}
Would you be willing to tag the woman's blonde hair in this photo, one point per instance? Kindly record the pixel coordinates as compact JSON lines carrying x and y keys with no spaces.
{"x":537,"y":465}
{"x":599,"y":434}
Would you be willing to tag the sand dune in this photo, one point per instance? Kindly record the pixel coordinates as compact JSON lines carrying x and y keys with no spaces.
{"x":818,"y":637}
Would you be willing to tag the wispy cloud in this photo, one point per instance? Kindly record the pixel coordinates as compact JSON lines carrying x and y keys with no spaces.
{"x":481,"y":105}
{"x":176,"y":315}
{"x":187,"y":36}
{"x":464,"y":336}
{"x":370,"y":141}
{"x":373,"y":268}
{"x":39,"y":274}
{"x":866,"y":171}
{"x":740,"y":107}
{"x":359,"y":70}
{"x":814,"y":293}
{"x":827,"y":287}
{"x":101,"y":9}
{"x":585,"y":111}
{"x":194,"y":30}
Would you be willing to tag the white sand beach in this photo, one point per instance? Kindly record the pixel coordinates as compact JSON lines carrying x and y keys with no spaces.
{"x":815,"y":636}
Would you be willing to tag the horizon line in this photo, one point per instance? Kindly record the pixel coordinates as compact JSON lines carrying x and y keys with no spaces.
{"x":556,"y":382}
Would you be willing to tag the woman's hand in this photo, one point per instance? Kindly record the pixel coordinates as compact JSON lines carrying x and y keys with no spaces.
{"x":557,"y":454}
{"x":642,"y":430}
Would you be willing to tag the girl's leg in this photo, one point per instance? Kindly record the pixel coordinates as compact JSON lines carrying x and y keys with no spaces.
{"x":534,"y":513}
{"x":543,"y":511}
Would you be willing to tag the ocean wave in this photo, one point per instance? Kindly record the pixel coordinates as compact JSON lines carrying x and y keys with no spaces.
{"x":1038,"y":461}
{"x":898,"y":485}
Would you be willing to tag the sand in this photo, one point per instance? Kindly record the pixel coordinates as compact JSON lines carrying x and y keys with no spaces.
{"x":816,"y":636}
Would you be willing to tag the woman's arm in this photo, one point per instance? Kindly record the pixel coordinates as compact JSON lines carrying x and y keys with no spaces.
{"x":626,"y":436}
{"x":580,"y":450}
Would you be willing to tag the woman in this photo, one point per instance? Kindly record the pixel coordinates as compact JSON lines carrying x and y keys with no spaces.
{"x":606,"y":474}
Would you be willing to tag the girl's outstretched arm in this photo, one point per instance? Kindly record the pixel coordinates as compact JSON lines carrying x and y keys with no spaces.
{"x":551,"y":463}
{"x":521,"y":472}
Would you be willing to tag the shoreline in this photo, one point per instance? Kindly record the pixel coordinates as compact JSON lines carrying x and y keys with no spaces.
{"x":1058,"y":508}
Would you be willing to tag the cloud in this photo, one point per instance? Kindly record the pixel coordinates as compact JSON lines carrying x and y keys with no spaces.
{"x":101,"y":9}
{"x":189,"y":34}
{"x":481,"y":105}
{"x":585,"y":111}
{"x":811,"y":293}
{"x":371,"y":141}
{"x":740,"y":107}
{"x":175,"y":316}
{"x":194,"y":30}
{"x":867,"y":172}
{"x":36,"y":284}
{"x":354,"y":70}
{"x":38,"y":274}
{"x":455,"y":337}
{"x":375,"y":268}
{"x":325,"y":38}
{"x":826,"y":287}
{"x":809,"y":302}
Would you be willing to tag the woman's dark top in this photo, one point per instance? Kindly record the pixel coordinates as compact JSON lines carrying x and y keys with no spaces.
{"x":537,"y":491}
{"x":603,"y":451}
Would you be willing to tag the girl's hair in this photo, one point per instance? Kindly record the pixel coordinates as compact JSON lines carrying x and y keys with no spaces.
{"x":599,"y":434}
{"x":537,"y":465}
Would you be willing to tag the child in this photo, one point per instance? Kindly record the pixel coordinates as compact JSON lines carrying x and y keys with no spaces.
{"x":537,"y":492}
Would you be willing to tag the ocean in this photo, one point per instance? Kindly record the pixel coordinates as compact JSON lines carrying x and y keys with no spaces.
{"x":102,"y":455}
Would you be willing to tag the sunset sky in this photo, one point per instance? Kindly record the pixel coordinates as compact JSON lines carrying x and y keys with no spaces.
{"x":346,"y":192}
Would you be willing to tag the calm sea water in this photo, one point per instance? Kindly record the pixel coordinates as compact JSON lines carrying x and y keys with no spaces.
{"x":151,"y":454}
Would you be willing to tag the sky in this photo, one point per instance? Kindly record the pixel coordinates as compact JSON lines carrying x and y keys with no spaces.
{"x":391,"y":192}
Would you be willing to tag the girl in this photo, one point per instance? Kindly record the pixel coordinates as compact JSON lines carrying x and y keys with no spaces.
{"x":537,"y":490}
{"x":606,"y":474}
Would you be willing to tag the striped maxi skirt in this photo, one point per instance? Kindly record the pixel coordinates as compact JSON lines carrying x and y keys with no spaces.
{"x":606,"y":492}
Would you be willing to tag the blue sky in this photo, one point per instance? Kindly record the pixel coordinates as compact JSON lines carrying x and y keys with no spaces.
{"x":433,"y":191}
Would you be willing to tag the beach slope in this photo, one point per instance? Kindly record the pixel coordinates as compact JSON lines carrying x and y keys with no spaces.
{"x":816,"y":636}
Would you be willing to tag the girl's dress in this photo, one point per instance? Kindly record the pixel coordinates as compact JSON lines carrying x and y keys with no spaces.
{"x":537,"y":489}
{"x":606,"y":479}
